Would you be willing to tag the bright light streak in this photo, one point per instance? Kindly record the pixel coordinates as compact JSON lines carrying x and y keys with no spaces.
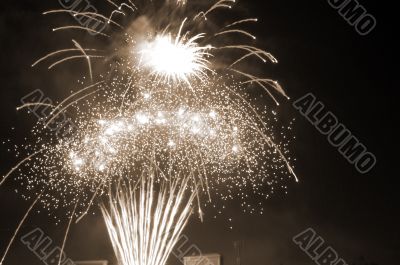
{"x":144,"y":222}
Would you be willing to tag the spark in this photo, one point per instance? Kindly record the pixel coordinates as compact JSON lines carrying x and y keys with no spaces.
{"x":241,"y":22}
{"x":79,"y":47}
{"x":219,"y":4}
{"x":87,"y":57}
{"x":28,"y":105}
{"x":56,"y":53}
{"x":236,"y":31}
{"x":82,"y":28}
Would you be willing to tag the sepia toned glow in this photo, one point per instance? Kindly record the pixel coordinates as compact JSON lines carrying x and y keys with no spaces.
{"x":165,"y":121}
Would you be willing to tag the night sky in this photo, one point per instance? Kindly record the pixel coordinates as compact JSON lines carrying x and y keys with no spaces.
{"x":318,"y":52}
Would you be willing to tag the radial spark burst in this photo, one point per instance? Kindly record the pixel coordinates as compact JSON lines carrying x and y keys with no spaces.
{"x":178,"y":59}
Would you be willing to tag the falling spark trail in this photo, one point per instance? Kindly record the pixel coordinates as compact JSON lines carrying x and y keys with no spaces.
{"x":87,"y":58}
{"x":66,"y":232}
{"x":57,"y":52}
{"x":113,"y":4}
{"x":116,"y":12}
{"x":27,"y":105}
{"x":132,"y":8}
{"x":243,"y":58}
{"x":18,"y":165}
{"x":76,"y":93}
{"x":19,"y":227}
{"x":261,"y":83}
{"x":69,"y":105}
{"x":236,"y":31}
{"x":256,"y":51}
{"x":74,"y":57}
{"x":81,"y":28}
{"x":254,"y":79}
{"x":219,"y":4}
{"x":90,"y":204}
{"x":241,"y":22}
{"x":269,"y":141}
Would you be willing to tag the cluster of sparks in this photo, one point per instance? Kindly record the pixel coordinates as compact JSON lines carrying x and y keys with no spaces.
{"x":168,"y":104}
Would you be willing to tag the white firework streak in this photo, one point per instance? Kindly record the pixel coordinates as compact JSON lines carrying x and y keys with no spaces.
{"x":144,"y":223}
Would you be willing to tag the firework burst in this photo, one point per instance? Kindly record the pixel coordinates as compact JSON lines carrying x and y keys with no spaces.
{"x":171,"y":97}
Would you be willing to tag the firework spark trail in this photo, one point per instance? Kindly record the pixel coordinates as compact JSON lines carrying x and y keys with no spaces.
{"x":32,"y":104}
{"x":18,"y":165}
{"x":143,"y":226}
{"x":119,"y":8}
{"x":116,"y":12}
{"x":236,"y":31}
{"x":255,"y":51}
{"x":74,"y":57}
{"x":263,"y":83}
{"x":20,"y":225}
{"x":58,"y":52}
{"x":77,"y":45}
{"x":81,"y":28}
{"x":90,"y":203}
{"x":241,"y":22}
{"x":269,"y":141}
{"x":219,"y":4}
{"x":76,"y":93}
{"x":85,"y":14}
{"x":67,"y":232}
{"x":59,"y":111}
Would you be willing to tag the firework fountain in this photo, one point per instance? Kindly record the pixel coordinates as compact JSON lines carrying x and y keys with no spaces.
{"x":167,"y":126}
{"x":144,"y":227}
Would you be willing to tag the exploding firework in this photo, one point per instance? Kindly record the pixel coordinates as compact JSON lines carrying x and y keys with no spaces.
{"x":170,"y":96}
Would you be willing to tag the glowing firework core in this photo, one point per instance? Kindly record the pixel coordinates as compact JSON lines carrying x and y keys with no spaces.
{"x":175,"y":59}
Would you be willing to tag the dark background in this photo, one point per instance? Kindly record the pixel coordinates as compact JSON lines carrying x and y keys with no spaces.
{"x":318,"y":52}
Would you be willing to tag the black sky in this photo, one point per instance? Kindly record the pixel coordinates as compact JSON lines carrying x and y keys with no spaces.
{"x":318,"y":52}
